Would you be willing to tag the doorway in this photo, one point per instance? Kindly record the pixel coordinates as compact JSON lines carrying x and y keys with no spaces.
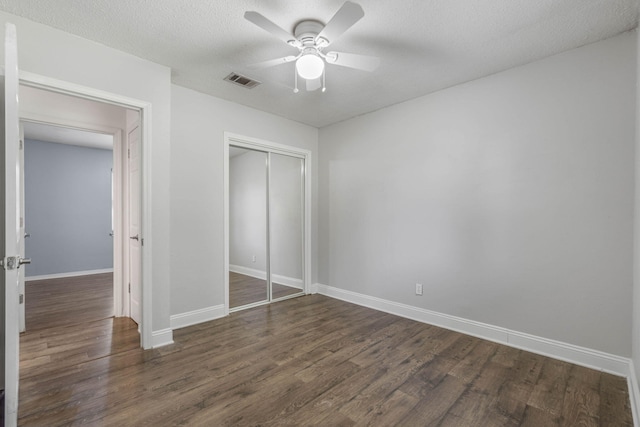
{"x":68,"y":223}
{"x":267,"y":196}
{"x":71,"y":112}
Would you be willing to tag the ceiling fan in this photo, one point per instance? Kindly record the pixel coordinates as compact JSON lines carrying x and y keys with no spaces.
{"x":311,"y":38}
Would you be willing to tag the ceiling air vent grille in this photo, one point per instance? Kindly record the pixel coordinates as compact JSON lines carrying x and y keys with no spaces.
{"x":242,"y":80}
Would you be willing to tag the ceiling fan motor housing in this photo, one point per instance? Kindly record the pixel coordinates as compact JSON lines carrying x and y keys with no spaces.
{"x":306,"y":32}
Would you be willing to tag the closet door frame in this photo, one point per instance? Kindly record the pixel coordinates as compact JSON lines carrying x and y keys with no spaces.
{"x":275,"y":148}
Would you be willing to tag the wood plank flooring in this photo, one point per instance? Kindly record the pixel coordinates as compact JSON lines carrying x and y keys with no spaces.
{"x":48,"y":302}
{"x":304,"y":361}
{"x":245,"y":290}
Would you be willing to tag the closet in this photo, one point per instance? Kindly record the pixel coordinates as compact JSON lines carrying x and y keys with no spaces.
{"x":266,"y":224}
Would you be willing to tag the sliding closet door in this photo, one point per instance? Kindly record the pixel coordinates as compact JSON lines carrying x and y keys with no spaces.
{"x":248,"y":254}
{"x":286,"y":224}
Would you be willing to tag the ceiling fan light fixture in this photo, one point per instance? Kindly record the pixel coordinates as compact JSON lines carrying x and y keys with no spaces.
{"x":311,"y":37}
{"x":310,"y":66}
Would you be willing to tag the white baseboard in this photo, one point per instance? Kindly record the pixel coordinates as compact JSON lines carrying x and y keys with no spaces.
{"x":197,"y":316}
{"x":558,"y":350}
{"x":161,"y":338}
{"x":262,"y":275}
{"x":634,"y":394}
{"x":70,"y":274}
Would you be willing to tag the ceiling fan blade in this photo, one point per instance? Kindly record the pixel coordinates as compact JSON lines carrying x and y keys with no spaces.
{"x":353,"y":60}
{"x":273,"y":62}
{"x":314,"y":84}
{"x":269,"y":27}
{"x":345,"y":17}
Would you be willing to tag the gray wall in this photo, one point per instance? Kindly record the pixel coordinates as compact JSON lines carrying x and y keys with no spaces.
{"x":636,"y":258}
{"x":67,"y":208}
{"x":198,"y":123}
{"x":509,"y":198}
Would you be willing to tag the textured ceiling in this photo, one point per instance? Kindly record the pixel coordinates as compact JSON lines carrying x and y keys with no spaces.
{"x":424,"y":45}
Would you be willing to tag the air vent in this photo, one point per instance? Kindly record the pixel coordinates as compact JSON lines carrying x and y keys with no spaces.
{"x":242,"y":80}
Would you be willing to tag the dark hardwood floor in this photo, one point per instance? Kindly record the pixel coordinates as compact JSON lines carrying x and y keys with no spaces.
{"x":304,"y":361}
{"x":245,"y":290}
{"x":48,"y":302}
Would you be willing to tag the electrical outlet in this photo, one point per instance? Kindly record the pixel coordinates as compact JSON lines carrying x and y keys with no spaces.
{"x":418,"y":289}
{"x":253,"y":258}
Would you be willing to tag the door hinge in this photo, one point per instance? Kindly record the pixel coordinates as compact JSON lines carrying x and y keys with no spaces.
{"x":10,"y":263}
{"x":21,"y":299}
{"x":14,"y":262}
{"x":128,"y":153}
{"x":142,"y":242}
{"x":129,"y":287}
{"x":21,"y":145}
{"x":21,"y":222}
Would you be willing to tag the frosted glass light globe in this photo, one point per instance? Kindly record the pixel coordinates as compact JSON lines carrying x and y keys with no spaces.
{"x":310,"y":66}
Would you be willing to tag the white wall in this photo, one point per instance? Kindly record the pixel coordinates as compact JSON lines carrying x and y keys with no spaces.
{"x":509,"y":198}
{"x":198,"y":123}
{"x":56,"y":54}
{"x":635,"y":339}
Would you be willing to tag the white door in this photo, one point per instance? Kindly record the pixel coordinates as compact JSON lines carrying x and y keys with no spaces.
{"x":21,"y":272}
{"x":135,"y":239}
{"x":11,"y":259}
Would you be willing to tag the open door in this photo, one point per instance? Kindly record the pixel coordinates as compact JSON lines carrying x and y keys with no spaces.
{"x":11,"y":259}
{"x":135,"y":238}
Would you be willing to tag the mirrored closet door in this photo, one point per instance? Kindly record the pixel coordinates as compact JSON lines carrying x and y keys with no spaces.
{"x":266,"y":227}
{"x":286,"y":207}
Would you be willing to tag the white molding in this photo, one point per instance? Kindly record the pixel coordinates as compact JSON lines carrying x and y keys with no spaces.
{"x":146,"y":222}
{"x":119,"y":279}
{"x":558,"y":350}
{"x":69,"y":274}
{"x":145,"y":108}
{"x":578,"y":355}
{"x":262,"y":275}
{"x":313,"y":289}
{"x":194,"y":317}
{"x":64,"y":87}
{"x":634,"y":394}
{"x":225,"y":202}
{"x":161,"y":338}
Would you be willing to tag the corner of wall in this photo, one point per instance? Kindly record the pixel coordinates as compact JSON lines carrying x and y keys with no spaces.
{"x":635,"y":338}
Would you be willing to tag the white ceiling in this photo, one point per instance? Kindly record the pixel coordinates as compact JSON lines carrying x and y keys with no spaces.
{"x":63,"y":135}
{"x":424,"y":45}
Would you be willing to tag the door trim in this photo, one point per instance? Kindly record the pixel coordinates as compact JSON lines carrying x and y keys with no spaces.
{"x":276,"y":148}
{"x":67,"y":88}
